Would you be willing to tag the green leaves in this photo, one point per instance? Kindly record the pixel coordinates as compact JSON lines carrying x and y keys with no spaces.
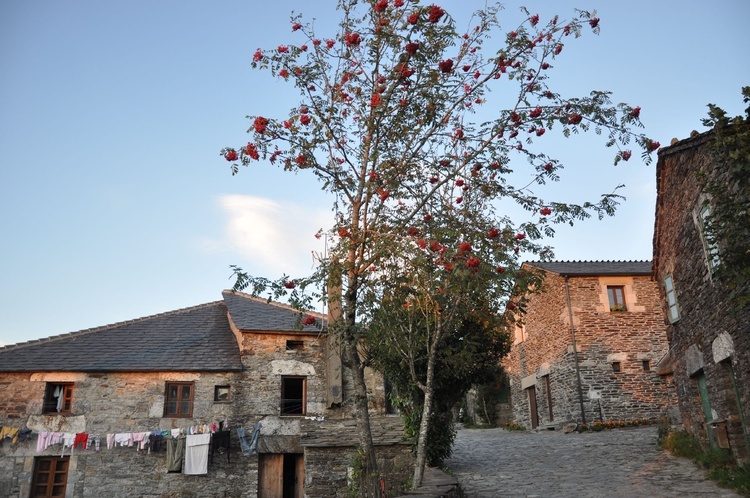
{"x":728,"y":186}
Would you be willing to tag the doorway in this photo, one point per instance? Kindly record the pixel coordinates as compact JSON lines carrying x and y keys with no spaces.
{"x":281,"y":475}
{"x":532,"y":407}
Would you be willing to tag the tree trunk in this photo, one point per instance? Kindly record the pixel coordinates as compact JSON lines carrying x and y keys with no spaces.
{"x":371,"y":477}
{"x":426,"y":409}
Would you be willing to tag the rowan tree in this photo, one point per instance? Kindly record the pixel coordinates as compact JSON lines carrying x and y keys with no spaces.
{"x":388,"y":122}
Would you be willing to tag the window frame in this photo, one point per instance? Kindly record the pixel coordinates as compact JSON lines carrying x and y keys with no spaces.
{"x":218,"y":390}
{"x":616,"y":367}
{"x":179,"y":400}
{"x":710,"y":248}
{"x":646,"y":365}
{"x":287,"y":405}
{"x":616,"y":302}
{"x":49,"y":405}
{"x":54,"y":471}
{"x":294,"y":345}
{"x":673,"y":310}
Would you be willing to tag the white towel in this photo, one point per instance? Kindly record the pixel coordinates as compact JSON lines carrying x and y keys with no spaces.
{"x":196,"y":454}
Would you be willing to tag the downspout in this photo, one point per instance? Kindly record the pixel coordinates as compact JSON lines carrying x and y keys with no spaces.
{"x":575,"y":351}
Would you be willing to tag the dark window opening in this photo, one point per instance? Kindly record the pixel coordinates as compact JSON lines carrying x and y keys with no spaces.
{"x":616,"y":367}
{"x":548,"y":388}
{"x":178,"y":400}
{"x":58,"y":398}
{"x":646,"y":365}
{"x":50,"y":477}
{"x":222,"y":394}
{"x":293,"y":395}
{"x":616,"y":294}
{"x":295,"y":345}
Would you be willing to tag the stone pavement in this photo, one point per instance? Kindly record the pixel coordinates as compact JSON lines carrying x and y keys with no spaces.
{"x":613,"y":463}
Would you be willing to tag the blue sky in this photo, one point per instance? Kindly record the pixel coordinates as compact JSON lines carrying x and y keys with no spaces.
{"x":115,"y":203}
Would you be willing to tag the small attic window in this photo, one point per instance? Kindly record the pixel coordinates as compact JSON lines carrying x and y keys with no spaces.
{"x":295,"y":345}
{"x":222,"y":394}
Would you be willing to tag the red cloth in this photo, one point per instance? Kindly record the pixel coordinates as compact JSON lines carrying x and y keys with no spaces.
{"x":81,"y":439}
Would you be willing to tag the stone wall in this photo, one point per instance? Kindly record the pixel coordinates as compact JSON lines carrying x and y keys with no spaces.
{"x":542,"y":354}
{"x":711,"y":339}
{"x":120,"y":402}
{"x":333,"y":469}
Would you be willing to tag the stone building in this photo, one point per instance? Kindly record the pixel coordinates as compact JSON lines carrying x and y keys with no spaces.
{"x":132,"y":394}
{"x":709,"y":336}
{"x":587,"y":347}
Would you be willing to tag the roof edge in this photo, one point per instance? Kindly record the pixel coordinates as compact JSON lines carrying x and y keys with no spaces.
{"x":101,"y":328}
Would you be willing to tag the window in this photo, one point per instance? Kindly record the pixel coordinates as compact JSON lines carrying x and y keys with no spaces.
{"x":222,"y":394}
{"x":709,"y":246}
{"x":293,"y":395}
{"x":295,"y":345}
{"x":58,"y":398}
{"x":616,"y":294}
{"x":616,"y":366}
{"x":178,"y":400}
{"x":674,"y":313}
{"x":646,"y":365}
{"x":50,"y":477}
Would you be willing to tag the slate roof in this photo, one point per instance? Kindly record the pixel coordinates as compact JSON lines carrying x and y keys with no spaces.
{"x":595,"y":268}
{"x":190,"y":339}
{"x":196,"y":339}
{"x":257,"y":314}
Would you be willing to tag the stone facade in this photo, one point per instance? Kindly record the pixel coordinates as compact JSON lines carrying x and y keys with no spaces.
{"x":120,"y":401}
{"x":613,"y":376}
{"x":709,"y":337}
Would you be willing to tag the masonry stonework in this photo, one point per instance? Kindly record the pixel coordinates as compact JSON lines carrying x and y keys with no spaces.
{"x":710,"y":337}
{"x":119,"y":375}
{"x":617,"y":351}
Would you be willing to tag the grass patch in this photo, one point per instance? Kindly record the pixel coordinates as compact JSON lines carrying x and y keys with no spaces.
{"x":736,"y":478}
{"x":719,"y":464}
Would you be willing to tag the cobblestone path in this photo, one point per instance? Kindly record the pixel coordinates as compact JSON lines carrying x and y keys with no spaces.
{"x":615,"y":463}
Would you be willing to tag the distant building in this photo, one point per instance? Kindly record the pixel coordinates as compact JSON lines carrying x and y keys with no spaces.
{"x":610,"y":313}
{"x":166,"y":405}
{"x":709,"y":337}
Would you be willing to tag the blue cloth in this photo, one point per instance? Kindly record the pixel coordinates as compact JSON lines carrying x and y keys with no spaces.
{"x":251,"y":447}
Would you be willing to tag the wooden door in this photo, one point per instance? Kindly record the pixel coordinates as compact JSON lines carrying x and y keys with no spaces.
{"x":270,"y":475}
{"x":299,"y":478}
{"x":532,"y":407}
{"x":281,"y":475}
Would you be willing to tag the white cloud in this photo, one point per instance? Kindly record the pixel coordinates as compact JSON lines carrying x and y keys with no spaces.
{"x":275,"y":238}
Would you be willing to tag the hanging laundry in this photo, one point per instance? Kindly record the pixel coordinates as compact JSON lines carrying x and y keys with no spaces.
{"x":249,"y":447}
{"x":93,"y":441}
{"x":9,"y":432}
{"x":82,"y":440}
{"x":141,"y":438}
{"x":59,"y":395}
{"x":124,"y":439}
{"x":196,"y":454}
{"x":175,"y":453}
{"x":68,"y":440}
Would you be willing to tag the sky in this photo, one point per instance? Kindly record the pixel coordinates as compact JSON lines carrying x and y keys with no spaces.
{"x":115,"y":203}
